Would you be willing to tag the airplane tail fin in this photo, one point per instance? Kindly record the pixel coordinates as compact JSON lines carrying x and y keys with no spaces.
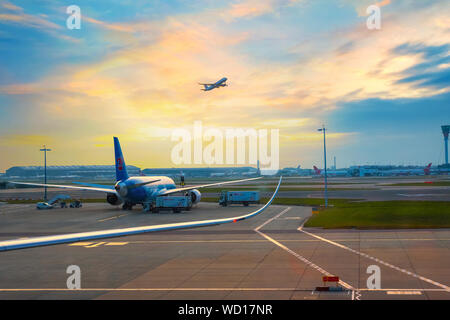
{"x":121,"y":169}
{"x":316,"y":170}
{"x":427,"y":169}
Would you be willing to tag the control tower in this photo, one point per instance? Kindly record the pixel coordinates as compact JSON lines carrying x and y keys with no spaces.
{"x":445,"y":131}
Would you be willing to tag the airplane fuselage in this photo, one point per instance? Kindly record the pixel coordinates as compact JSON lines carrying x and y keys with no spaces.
{"x":143,"y":193}
{"x":218,"y":84}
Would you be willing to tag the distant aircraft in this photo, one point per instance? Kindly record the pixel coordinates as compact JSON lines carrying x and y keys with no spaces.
{"x":406,"y":172}
{"x":218,"y":84}
{"x":330,"y":173}
{"x":130,"y":191}
{"x":427,"y":169}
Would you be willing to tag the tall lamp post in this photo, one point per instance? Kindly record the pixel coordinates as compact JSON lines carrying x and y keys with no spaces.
{"x":45,"y":149}
{"x":323,"y":129}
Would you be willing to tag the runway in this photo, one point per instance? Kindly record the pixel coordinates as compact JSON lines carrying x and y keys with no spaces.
{"x":266,"y":257}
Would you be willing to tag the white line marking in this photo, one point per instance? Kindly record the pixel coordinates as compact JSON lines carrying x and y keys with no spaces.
{"x":155,"y":289}
{"x":197,"y":289}
{"x":256,"y":241}
{"x":273,"y":218}
{"x":374,"y":259}
{"x":409,"y":292}
{"x":115,"y":217}
{"x":301,"y":258}
{"x":395,"y":289}
{"x":116,"y":243}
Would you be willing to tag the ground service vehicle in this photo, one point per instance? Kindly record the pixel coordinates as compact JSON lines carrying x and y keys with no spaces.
{"x":174,"y":203}
{"x":238,"y":197}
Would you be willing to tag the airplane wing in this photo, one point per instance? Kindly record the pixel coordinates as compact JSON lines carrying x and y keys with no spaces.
{"x":94,"y":185}
{"x":204,"y":186}
{"x":83,"y":236}
{"x":206,"y":84}
{"x":107,"y":189}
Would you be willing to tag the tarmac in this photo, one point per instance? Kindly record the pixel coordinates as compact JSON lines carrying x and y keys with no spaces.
{"x":269,"y":256}
{"x":365,"y":188}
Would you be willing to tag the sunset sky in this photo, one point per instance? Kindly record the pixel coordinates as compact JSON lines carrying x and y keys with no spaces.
{"x":132,"y":71}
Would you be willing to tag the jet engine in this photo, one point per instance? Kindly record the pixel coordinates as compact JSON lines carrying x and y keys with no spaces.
{"x":113,"y":199}
{"x":121,"y":189}
{"x":195,"y":196}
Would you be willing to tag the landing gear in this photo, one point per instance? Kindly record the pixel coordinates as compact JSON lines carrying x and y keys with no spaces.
{"x":127,"y":206}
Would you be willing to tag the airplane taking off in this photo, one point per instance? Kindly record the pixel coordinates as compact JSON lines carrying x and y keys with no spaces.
{"x":218,"y":84}
{"x":130,"y":191}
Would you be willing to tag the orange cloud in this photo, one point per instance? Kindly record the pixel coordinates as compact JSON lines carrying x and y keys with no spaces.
{"x":10,"y":6}
{"x":250,"y":8}
{"x":28,"y":20}
{"x":109,"y":26}
{"x":153,"y":84}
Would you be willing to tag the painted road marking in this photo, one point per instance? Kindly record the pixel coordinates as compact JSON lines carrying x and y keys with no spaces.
{"x":198,"y":289}
{"x":81,"y":244}
{"x":115,"y":217}
{"x":155,"y":289}
{"x":408,"y":292}
{"x":281,"y":240}
{"x":95,"y":245}
{"x":273,"y":218}
{"x":443,"y":286}
{"x":301,"y":258}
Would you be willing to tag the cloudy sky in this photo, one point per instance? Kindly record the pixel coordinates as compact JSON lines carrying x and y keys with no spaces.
{"x":133,"y":67}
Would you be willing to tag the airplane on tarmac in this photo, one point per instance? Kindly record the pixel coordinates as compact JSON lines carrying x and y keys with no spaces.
{"x":330,"y":173}
{"x":130,"y":191}
{"x":317,"y":170}
{"x":406,"y":172}
{"x":211,"y":86}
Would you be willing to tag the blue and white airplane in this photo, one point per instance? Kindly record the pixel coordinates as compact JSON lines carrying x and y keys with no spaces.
{"x":130,"y":191}
{"x":218,"y":84}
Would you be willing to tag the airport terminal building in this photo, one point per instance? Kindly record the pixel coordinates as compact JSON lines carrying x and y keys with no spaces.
{"x":202,"y":172}
{"x":97,"y":172}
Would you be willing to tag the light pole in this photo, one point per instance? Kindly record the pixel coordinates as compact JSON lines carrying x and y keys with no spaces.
{"x":45,"y":170}
{"x":323,"y":129}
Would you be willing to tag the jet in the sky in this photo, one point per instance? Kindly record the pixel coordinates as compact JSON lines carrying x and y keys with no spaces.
{"x":130,"y":191}
{"x":218,"y":84}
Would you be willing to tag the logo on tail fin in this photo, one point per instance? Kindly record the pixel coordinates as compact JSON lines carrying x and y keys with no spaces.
{"x":119,"y":164}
